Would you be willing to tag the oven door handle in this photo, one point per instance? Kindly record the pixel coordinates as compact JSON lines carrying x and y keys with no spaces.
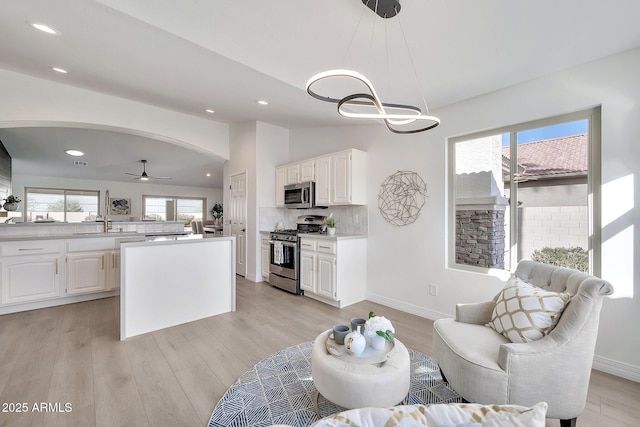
{"x":291,"y":245}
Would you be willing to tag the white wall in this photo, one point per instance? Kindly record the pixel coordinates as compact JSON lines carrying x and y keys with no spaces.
{"x":256,"y":148}
{"x":133,"y":190}
{"x":29,"y":101}
{"x":404,"y":260}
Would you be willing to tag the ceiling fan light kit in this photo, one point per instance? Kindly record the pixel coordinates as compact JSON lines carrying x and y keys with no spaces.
{"x":144,"y":176}
{"x":399,"y":118}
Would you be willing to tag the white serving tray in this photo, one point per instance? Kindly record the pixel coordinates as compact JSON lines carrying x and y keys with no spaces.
{"x":369,"y":356}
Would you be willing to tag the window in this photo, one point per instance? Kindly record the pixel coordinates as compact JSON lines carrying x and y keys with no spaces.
{"x":53,"y":204}
{"x":526,"y":192}
{"x":174,"y":208}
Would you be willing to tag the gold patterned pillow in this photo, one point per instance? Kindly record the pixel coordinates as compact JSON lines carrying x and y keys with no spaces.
{"x":524,"y":312}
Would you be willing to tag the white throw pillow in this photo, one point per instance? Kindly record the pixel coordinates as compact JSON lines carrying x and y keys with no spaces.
{"x":441,"y":415}
{"x":524,"y":312}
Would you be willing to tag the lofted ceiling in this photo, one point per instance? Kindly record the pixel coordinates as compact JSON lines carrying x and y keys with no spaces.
{"x":190,"y":55}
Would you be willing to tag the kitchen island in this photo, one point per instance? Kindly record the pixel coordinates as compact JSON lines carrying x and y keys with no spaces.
{"x":157,"y":268}
{"x":167,"y":281}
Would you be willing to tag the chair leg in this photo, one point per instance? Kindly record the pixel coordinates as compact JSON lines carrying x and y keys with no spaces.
{"x":568,"y":423}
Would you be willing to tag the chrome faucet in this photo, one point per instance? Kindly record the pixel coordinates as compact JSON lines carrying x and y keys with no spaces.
{"x":106,"y":211}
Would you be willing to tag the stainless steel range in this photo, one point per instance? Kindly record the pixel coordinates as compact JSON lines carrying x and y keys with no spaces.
{"x":284,"y":264}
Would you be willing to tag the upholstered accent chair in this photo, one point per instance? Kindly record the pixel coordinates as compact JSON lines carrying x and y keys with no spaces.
{"x":486,"y":367}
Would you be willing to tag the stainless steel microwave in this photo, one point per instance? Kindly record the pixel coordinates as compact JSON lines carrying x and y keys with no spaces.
{"x":300,"y":196}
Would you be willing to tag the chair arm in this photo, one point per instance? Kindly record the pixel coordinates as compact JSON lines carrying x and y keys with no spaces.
{"x":477,"y":313}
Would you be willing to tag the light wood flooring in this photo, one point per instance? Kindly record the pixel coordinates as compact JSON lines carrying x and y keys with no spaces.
{"x":175,"y":376}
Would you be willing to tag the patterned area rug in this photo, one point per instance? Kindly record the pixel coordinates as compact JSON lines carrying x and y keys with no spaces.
{"x":280,"y":390}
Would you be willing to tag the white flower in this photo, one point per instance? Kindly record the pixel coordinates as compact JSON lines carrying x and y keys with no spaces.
{"x":378,"y":323}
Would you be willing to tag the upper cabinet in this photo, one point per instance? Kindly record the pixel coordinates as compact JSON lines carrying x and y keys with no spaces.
{"x":308,"y":171}
{"x":341,"y":178}
{"x":323,"y":180}
{"x":349,"y":169}
{"x":281,"y":181}
{"x":293,"y":174}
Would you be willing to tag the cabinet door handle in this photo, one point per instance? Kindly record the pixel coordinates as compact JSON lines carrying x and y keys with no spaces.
{"x":31,"y":249}
{"x":324,"y":247}
{"x":56,"y":265}
{"x":103,"y":262}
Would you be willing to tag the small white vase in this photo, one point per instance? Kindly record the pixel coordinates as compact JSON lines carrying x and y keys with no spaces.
{"x":355,"y":342}
{"x":331,"y":231}
{"x":377,"y":342}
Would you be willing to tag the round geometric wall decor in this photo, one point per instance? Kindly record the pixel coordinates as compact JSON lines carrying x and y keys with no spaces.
{"x":401,"y":197}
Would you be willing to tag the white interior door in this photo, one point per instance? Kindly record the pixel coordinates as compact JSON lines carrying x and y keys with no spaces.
{"x":238,"y":198}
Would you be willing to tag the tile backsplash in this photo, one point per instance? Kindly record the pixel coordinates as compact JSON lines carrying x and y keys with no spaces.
{"x":349,"y":219}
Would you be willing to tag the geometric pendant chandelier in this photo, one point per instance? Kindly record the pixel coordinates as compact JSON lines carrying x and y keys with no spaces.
{"x":399,"y":118}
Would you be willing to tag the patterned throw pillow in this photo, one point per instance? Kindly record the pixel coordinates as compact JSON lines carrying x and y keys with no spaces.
{"x":524,"y":312}
{"x":440,"y":415}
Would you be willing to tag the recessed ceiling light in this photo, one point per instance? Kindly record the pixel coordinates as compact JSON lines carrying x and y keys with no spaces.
{"x":44,"y":28}
{"x":209,"y":110}
{"x":208,"y":174}
{"x":59,"y":70}
{"x":75,"y":153}
{"x":262,"y":102}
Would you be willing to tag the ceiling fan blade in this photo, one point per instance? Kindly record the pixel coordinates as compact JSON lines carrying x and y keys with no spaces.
{"x":144,"y":176}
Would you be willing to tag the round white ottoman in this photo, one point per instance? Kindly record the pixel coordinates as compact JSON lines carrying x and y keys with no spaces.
{"x":354,"y":385}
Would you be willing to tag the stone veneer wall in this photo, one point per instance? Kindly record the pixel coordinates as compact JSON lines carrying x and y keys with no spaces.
{"x":480,"y":237}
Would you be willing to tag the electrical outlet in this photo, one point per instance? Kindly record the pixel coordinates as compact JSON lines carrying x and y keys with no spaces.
{"x":433,"y":289}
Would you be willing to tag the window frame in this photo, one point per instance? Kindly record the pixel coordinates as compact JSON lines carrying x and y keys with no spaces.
{"x":594,"y":187}
{"x":64,"y":195}
{"x":175,"y":198}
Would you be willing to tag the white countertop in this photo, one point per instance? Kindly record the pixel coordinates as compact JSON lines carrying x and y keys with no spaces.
{"x":86,"y":235}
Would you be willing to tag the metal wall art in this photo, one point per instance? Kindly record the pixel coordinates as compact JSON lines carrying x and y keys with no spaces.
{"x":401,"y":197}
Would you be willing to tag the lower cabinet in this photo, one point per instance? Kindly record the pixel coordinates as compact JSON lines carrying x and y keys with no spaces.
{"x":113,"y":270}
{"x":334,"y":270}
{"x":40,"y":270}
{"x":31,"y":278}
{"x":86,"y":272}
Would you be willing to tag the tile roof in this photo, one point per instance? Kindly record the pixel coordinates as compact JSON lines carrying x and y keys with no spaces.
{"x":557,"y":156}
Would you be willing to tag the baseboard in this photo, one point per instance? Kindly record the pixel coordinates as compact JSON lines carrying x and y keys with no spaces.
{"x":407,"y":308}
{"x":619,"y":369}
{"x":254,"y":278}
{"x":15,"y":308}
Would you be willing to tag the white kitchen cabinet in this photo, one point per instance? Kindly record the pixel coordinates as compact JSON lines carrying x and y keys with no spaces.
{"x":31,"y":278}
{"x":334,"y":270}
{"x":31,"y":271}
{"x":307,"y":171}
{"x":323,"y":180}
{"x":341,"y":178}
{"x":349,"y":178}
{"x":281,"y":181}
{"x":265,"y":257}
{"x":308,"y":261}
{"x":86,"y":272}
{"x":113,"y":270}
{"x":293,"y":173}
{"x":326,"y":276}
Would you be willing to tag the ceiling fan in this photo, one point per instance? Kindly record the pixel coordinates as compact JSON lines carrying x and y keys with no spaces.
{"x":143,"y":176}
